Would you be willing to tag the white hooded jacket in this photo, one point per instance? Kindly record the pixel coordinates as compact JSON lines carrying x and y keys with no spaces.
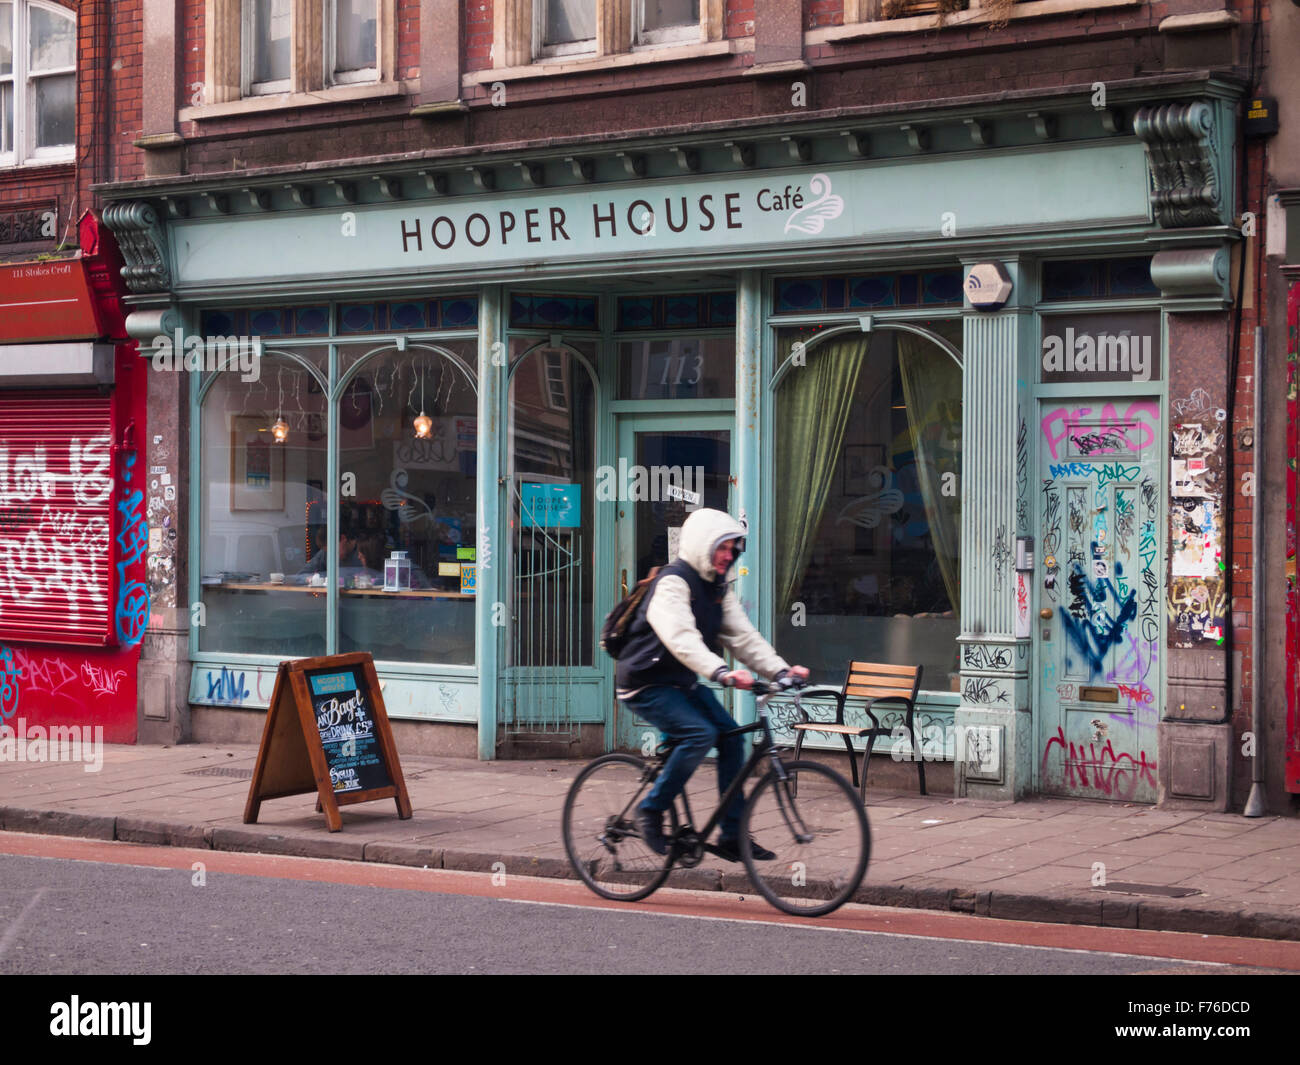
{"x":670,"y":616}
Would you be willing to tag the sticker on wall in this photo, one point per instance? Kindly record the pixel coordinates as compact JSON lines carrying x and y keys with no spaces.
{"x":1188,"y":477}
{"x":674,"y":542}
{"x":1194,"y":536}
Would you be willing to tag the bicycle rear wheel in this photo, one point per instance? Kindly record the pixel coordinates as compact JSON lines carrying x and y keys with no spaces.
{"x":814,"y":824}
{"x":600,"y":833}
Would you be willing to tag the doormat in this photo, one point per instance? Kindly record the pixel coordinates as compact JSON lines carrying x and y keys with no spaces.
{"x":1148,"y":889}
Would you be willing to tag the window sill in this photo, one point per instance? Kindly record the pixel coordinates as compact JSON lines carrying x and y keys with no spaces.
{"x":976,"y":17}
{"x":25,"y":169}
{"x":290,"y":101}
{"x":545,"y":68}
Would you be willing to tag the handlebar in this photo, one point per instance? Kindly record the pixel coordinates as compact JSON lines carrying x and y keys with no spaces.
{"x":762,"y":687}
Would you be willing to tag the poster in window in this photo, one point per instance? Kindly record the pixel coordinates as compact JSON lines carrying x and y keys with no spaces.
{"x":257,"y":465}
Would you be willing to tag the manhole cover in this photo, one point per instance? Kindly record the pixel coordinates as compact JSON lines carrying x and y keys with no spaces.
{"x":1148,"y":889}
{"x":221,"y":771}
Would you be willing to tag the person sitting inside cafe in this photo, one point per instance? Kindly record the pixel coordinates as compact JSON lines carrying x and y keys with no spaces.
{"x":348,"y":557}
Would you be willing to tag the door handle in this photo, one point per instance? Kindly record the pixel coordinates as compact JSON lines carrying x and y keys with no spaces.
{"x":1045,"y":613}
{"x":623,"y":594}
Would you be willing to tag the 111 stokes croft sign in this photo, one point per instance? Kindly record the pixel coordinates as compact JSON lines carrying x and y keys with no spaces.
{"x":726,"y":213}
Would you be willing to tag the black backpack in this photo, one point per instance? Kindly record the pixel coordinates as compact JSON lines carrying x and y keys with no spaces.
{"x":616,"y":631}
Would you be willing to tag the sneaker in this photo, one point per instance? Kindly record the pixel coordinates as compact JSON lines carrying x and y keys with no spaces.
{"x":729,"y":850}
{"x":650,"y":823}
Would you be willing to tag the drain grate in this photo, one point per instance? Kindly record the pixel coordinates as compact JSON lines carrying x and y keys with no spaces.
{"x":1148,"y":889}
{"x":221,"y":771}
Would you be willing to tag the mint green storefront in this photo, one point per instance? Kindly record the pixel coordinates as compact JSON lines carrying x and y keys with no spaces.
{"x":785,"y":338}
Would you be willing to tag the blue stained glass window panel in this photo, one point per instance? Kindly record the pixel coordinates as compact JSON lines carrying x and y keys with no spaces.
{"x":459,"y":313}
{"x":556,"y":311}
{"x":722,"y":308}
{"x":943,"y":287}
{"x":357,"y":318}
{"x":585,"y":314}
{"x":269,"y":323}
{"x":835,"y":293}
{"x":221,"y":323}
{"x":908,"y":288}
{"x":801,"y":294}
{"x":311,"y":321}
{"x":409,"y":316}
{"x":872,"y":292}
{"x":521,"y":311}
{"x":1069,"y":281}
{"x":681,"y":311}
{"x":1131,"y":277}
{"x":635,"y":312}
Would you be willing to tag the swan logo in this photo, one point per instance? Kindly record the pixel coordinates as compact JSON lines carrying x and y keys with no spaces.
{"x":812,"y":217}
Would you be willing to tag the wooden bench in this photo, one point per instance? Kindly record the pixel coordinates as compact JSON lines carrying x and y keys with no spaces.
{"x":876,"y":683}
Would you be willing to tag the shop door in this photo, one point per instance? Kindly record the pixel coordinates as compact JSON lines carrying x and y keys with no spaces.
{"x":1100,"y":582}
{"x":667,"y":467}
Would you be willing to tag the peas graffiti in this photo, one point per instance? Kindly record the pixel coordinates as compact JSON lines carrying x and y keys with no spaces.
{"x":132,"y":613}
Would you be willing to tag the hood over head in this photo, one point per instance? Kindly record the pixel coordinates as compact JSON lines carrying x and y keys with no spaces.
{"x":702,"y":532}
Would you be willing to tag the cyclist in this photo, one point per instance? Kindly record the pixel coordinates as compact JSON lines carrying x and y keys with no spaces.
{"x":681,"y":626}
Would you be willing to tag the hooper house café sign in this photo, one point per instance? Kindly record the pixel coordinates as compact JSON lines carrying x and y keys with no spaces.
{"x":722,"y":214}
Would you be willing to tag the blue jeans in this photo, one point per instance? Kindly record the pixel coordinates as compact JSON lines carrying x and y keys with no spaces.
{"x":696,"y":720}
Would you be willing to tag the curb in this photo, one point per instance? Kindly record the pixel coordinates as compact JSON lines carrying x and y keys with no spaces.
{"x":1107,"y":911}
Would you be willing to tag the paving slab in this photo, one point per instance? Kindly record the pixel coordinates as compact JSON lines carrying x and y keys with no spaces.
{"x":1030,"y":860}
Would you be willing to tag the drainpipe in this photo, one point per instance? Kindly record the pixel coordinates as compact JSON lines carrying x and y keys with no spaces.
{"x":1255,"y":804}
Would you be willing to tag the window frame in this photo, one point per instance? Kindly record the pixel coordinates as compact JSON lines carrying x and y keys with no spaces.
{"x":25,"y":152}
{"x":229,"y":53}
{"x":329,"y":33}
{"x":683,"y":33}
{"x":517,"y":28}
{"x":541,"y":50}
{"x":248,"y":42}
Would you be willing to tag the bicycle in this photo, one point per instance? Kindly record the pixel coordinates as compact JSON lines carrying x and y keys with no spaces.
{"x":805,"y":812}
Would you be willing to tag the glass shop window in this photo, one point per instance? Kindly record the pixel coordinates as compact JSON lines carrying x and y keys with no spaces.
{"x":868,"y":502}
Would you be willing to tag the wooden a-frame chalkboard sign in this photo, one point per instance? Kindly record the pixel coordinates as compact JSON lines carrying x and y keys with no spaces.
{"x":327,"y":732}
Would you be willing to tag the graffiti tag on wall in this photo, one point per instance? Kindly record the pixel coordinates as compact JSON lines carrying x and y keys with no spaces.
{"x":132,"y":613}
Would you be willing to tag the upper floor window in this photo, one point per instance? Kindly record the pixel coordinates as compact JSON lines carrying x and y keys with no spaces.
{"x":351,"y":43}
{"x":268,"y":41}
{"x":565,"y":27}
{"x":667,"y":21}
{"x":267,"y":47}
{"x":38,"y":82}
{"x":527,"y":30}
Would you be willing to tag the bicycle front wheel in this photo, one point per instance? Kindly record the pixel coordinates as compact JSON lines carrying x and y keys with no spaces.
{"x":600,"y":833}
{"x":814,"y":824}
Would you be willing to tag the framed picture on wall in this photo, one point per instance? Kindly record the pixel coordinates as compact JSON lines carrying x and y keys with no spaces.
{"x":256,"y":465}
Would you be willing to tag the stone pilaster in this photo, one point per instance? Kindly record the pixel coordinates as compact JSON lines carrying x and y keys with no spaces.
{"x":994,"y":723}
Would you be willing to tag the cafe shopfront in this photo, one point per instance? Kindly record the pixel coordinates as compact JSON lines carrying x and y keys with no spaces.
{"x":446,"y":412}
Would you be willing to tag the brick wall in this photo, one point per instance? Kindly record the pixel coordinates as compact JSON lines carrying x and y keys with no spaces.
{"x":476,"y":46}
{"x":819,"y":13}
{"x":739,"y":18}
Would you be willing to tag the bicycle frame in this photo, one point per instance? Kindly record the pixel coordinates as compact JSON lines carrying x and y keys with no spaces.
{"x":765,"y":748}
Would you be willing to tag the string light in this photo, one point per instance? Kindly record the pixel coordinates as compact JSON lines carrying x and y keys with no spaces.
{"x":423,"y":423}
{"x":280,"y":430}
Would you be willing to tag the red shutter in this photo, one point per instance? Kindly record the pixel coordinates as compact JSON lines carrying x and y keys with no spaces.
{"x":56,"y":518}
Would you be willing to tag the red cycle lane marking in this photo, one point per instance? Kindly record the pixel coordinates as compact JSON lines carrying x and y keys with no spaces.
{"x":714,"y":905}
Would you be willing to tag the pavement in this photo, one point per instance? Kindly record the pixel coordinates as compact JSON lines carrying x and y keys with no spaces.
{"x":1043,"y":859}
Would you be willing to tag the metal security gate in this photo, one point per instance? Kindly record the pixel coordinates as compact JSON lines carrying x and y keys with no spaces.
{"x":548,"y":628}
